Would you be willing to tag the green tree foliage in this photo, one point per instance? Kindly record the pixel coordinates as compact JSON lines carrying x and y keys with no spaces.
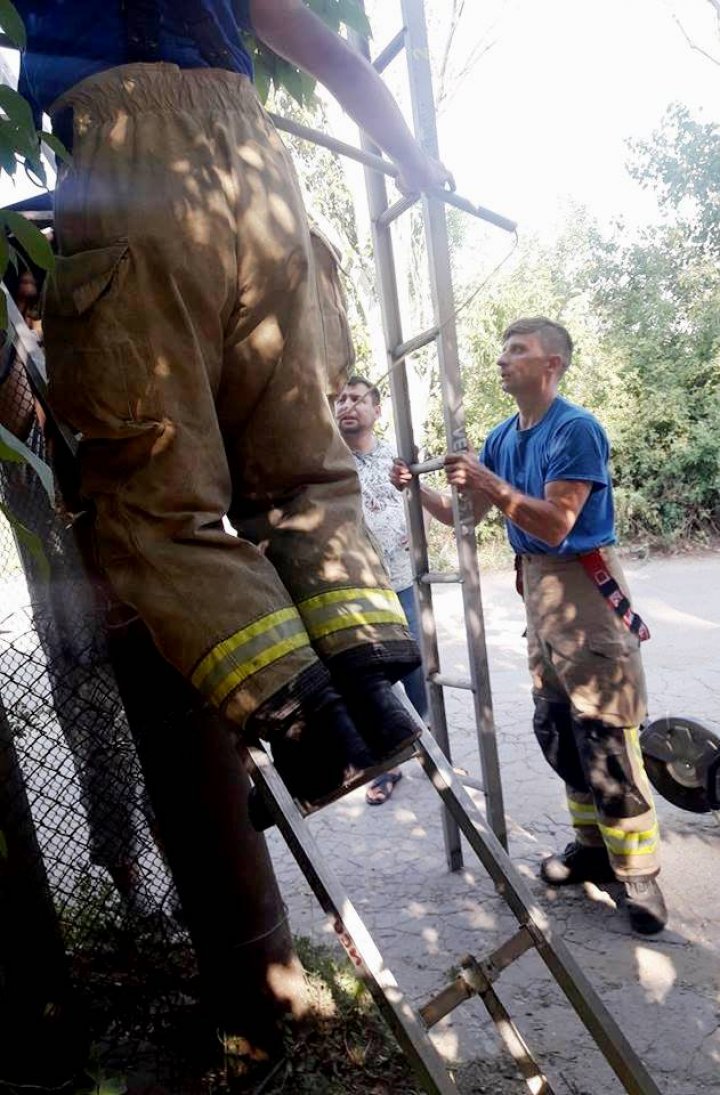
{"x":681,"y":164}
{"x":21,"y":146}
{"x":659,"y":304}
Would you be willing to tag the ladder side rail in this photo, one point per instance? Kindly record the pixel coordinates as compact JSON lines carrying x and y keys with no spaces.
{"x":347,"y":924}
{"x":448,"y":358}
{"x":392,"y":327}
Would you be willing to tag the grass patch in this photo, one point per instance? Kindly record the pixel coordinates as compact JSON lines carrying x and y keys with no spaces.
{"x":344,"y":1046}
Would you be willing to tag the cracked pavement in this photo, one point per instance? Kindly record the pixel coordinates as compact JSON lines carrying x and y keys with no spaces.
{"x":663,"y":991}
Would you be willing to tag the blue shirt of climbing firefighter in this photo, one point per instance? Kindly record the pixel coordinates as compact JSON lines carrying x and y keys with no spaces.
{"x":66,"y":46}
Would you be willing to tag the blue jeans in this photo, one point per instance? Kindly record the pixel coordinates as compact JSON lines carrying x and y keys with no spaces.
{"x":414,"y":683}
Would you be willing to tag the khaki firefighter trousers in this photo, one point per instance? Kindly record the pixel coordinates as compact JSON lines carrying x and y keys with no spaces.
{"x":590,"y":697}
{"x":184,"y":347}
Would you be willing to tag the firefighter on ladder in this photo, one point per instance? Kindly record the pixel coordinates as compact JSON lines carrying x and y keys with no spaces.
{"x":183,"y":347}
{"x":546,"y":469}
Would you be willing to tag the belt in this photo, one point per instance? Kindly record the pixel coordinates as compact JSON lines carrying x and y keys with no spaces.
{"x":594,"y":566}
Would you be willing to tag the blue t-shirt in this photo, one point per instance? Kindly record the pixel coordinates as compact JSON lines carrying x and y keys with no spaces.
{"x":68,"y":41}
{"x":567,"y":443}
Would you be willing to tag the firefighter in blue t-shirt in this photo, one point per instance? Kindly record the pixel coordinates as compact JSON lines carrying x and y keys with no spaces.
{"x":546,"y":470}
{"x":185,"y":350}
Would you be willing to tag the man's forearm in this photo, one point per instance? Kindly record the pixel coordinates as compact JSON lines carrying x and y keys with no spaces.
{"x":437,"y":504}
{"x":541,"y":519}
{"x":295,"y":33}
{"x":367,"y":100}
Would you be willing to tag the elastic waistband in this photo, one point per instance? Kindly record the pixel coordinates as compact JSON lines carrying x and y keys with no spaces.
{"x":159,"y":88}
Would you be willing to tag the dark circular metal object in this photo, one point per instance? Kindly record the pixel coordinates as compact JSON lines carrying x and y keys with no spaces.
{"x":678,"y":754}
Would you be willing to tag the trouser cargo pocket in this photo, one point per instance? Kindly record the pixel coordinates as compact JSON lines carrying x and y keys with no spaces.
{"x":102,"y":379}
{"x":102,"y":374}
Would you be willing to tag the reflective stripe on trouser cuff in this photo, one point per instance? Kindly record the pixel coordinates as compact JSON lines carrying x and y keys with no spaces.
{"x":620,"y":843}
{"x":582,"y":813}
{"x":252,"y":648}
{"x":585,"y":822}
{"x":340,"y":609}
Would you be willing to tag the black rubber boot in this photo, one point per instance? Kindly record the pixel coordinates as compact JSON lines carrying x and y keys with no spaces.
{"x":381,"y":717}
{"x":645,"y":906}
{"x":316,"y":750}
{"x":577,"y":864}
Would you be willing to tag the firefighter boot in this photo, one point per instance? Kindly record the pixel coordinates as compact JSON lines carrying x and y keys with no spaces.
{"x":577,"y":864}
{"x":381,"y":717}
{"x":645,"y":905}
{"x":316,"y":749}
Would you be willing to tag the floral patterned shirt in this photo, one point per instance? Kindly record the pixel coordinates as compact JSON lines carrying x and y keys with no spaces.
{"x":384,"y":512}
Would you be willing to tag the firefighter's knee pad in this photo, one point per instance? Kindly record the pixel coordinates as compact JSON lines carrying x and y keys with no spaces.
{"x":552,"y":723}
{"x":611,"y":772}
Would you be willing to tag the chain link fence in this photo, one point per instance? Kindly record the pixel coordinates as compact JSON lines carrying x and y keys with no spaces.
{"x":62,"y":719}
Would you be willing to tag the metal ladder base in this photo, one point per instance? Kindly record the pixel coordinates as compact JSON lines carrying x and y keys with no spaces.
{"x":476,"y":979}
{"x":536,"y":930}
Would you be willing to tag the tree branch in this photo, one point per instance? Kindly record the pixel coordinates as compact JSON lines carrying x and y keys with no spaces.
{"x":693,"y":45}
{"x":455,"y":17}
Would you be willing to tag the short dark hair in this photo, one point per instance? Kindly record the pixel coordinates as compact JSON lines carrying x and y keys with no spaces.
{"x":554,"y":337}
{"x":357,"y":379}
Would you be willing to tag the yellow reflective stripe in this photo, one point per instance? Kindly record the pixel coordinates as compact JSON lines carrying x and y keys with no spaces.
{"x":236,"y":640}
{"x":346,"y":608}
{"x":352,"y":619}
{"x":237,"y":675}
{"x":622,"y":843}
{"x":248,"y":650}
{"x":632,"y":739}
{"x":582,"y":813}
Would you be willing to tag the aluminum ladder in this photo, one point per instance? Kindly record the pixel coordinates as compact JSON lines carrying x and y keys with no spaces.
{"x":413,"y":39}
{"x":478,"y":974}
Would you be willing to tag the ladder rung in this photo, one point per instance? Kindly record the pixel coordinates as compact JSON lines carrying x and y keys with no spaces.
{"x":385,"y":218}
{"x":451,"y":682}
{"x":387,"y":55}
{"x":446,"y":1001}
{"x":414,"y":344}
{"x":441,"y":577}
{"x":476,"y":977}
{"x":392,"y":212}
{"x":436,"y":464}
{"x":469,"y":781}
{"x":509,"y":951}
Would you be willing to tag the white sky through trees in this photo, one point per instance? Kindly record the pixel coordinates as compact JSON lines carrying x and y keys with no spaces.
{"x":546,"y":111}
